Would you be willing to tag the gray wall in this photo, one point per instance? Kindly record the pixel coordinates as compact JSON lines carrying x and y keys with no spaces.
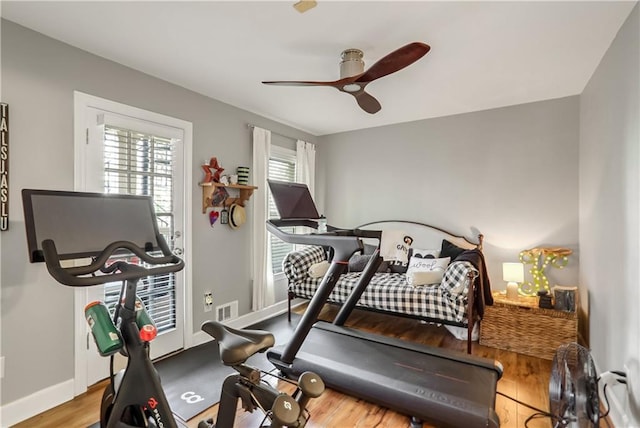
{"x":39,"y":76}
{"x":610,"y":202}
{"x":512,"y":173}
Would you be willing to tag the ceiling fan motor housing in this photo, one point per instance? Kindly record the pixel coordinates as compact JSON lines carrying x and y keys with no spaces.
{"x":352,"y":63}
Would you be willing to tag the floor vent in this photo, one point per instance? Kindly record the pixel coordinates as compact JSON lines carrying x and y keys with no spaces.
{"x":227,"y":311}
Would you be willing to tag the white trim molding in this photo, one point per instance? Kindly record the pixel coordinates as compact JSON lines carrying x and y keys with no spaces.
{"x":38,"y":402}
{"x":82,"y":105}
{"x":246,"y":320}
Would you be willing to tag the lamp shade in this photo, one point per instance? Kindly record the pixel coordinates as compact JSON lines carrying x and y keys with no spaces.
{"x":513,"y":272}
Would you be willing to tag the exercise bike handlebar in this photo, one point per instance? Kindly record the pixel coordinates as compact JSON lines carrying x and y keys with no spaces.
{"x":75,"y":276}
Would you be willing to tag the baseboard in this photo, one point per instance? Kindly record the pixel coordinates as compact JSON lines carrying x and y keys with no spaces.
{"x":27,"y":407}
{"x":201,"y":337}
{"x":620,"y":413}
{"x":620,"y":410}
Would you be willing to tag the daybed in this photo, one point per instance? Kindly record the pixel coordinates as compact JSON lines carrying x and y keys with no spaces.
{"x":449,"y":301}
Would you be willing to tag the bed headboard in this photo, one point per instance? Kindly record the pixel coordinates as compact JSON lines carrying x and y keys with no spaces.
{"x":425,"y":235}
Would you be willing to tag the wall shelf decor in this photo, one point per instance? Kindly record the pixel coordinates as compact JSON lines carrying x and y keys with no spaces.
{"x":208,"y":189}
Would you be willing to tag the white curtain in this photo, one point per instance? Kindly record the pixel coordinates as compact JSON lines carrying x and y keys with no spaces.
{"x":263,"y":289}
{"x":306,"y":164}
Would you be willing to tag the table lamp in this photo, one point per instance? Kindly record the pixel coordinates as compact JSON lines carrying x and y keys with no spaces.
{"x":513,"y":273}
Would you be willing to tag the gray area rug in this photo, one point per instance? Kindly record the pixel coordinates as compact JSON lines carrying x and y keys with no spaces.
{"x":192,"y":380}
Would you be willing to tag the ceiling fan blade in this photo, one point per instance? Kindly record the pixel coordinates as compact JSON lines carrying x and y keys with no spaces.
{"x":367,"y":102}
{"x":335,"y":83}
{"x":395,"y":61}
{"x":297,"y":83}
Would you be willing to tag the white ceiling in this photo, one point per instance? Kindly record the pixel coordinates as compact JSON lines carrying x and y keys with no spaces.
{"x":483,"y":54}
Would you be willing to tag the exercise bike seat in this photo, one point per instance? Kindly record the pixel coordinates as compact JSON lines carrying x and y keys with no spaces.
{"x":236,"y":346}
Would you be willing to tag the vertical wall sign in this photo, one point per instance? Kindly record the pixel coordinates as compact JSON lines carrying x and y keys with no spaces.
{"x":4,"y":166}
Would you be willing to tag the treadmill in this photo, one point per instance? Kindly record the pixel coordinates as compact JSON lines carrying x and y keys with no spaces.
{"x":430,"y":384}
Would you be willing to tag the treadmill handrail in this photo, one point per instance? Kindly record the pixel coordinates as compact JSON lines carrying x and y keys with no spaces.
{"x":344,"y":243}
{"x":74,"y":276}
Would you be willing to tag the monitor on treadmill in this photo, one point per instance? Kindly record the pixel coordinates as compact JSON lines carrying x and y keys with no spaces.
{"x":293,"y":200}
{"x":82,"y":224}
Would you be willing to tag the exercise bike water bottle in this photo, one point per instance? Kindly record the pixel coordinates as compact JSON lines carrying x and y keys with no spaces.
{"x":107,"y":337}
{"x":148,"y":330}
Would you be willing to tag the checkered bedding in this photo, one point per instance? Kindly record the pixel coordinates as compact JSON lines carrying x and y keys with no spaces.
{"x":388,"y":291}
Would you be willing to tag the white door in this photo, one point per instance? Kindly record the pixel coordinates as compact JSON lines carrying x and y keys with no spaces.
{"x":128,"y":155}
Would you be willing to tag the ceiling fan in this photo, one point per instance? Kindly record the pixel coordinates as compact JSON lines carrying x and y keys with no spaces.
{"x":353,"y":78}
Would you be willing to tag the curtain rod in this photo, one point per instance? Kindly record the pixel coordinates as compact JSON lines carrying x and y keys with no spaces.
{"x":249,"y":125}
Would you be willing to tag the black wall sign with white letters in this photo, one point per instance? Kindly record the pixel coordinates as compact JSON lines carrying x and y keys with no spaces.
{"x":4,"y":166}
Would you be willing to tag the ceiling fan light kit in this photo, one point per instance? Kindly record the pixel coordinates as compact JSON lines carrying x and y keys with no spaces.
{"x":354,"y":79}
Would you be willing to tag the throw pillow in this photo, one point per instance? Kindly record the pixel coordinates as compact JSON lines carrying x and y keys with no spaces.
{"x":358,"y":262}
{"x":426,"y":271}
{"x":450,"y":250}
{"x":369,"y":248}
{"x":394,"y":246}
{"x":317,"y":270}
{"x":455,"y":280}
{"x":397,"y":267}
{"x":424,"y":254}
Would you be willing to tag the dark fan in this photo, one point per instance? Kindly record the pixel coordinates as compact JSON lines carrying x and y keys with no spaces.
{"x":573,"y":388}
{"x":353,"y":78}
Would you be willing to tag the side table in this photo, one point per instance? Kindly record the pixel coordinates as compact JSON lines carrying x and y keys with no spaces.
{"x":521,"y":326}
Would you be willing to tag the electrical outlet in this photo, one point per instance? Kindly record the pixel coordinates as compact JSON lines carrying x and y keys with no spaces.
{"x":208,"y":301}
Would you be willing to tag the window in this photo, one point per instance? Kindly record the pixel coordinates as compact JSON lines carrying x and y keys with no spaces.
{"x":142,"y":164}
{"x":282,"y":167}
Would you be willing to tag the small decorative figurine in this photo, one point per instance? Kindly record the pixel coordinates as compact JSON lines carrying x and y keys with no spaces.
{"x":224,"y":216}
{"x":213,"y":217}
{"x":212,"y":171}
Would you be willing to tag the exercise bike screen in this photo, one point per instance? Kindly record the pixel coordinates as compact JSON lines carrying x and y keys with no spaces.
{"x":293,"y":200}
{"x":83,"y":224}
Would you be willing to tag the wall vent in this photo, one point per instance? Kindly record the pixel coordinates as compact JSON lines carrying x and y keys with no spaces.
{"x":227,"y":311}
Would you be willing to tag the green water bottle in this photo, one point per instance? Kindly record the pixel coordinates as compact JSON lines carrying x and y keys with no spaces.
{"x":105,"y":334}
{"x":148,"y":330}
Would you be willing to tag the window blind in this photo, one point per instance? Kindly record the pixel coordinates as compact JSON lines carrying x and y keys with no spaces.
{"x":142,"y":164}
{"x":282,"y":167}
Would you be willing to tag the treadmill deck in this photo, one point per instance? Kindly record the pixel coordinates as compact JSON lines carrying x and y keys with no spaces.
{"x":431,"y":384}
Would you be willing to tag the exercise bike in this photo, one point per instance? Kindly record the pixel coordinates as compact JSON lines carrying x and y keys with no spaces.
{"x":134,"y":396}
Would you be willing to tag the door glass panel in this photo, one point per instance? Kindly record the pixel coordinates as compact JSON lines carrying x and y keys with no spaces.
{"x":142,"y":164}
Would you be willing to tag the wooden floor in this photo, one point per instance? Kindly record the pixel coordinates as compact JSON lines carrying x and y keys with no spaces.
{"x":525,"y":378}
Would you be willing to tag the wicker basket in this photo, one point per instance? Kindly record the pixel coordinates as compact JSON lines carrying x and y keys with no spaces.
{"x":521,"y":326}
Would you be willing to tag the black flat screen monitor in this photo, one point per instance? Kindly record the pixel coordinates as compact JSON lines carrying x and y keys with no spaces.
{"x":82,"y":224}
{"x":293,"y":200}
